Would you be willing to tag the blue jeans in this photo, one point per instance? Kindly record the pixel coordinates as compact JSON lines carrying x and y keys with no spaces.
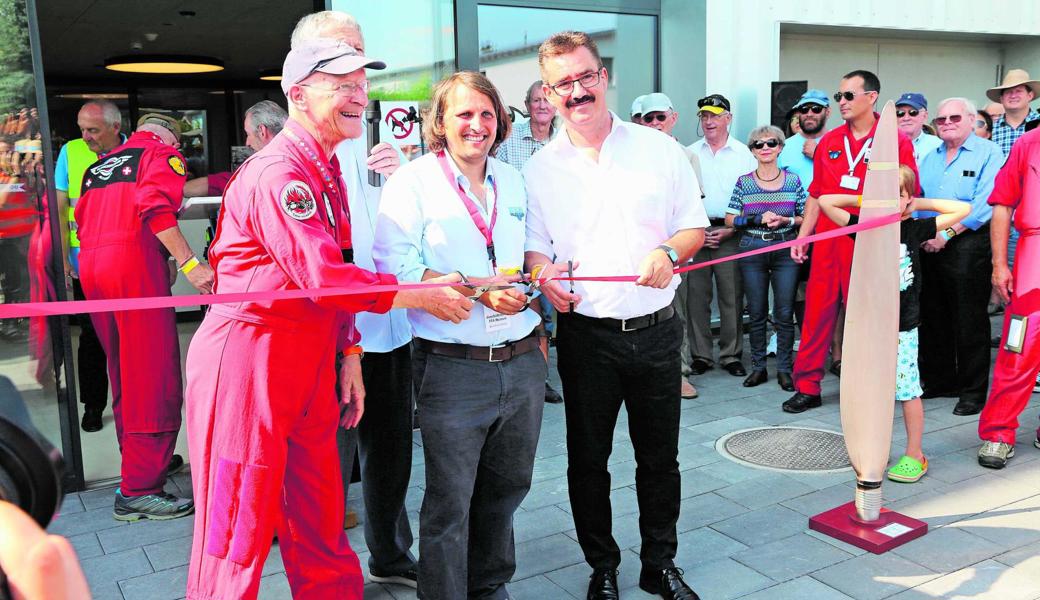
{"x":776,"y":268}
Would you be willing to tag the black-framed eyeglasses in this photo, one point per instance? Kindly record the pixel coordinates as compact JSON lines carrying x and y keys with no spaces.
{"x":953,"y":119}
{"x":564,"y":88}
{"x":759,"y":144}
{"x":848,"y":96}
{"x":913,"y":112}
{"x":813,"y":108}
{"x":659,"y":117}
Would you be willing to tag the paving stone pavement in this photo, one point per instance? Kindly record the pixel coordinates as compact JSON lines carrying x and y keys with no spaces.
{"x":743,"y":532}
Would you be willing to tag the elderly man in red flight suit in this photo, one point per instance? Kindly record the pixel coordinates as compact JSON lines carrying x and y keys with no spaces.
{"x":261,"y":399}
{"x":127,"y":230}
{"x":1016,"y":190}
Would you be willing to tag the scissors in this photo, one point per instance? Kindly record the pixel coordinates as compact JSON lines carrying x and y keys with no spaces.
{"x":476,"y":291}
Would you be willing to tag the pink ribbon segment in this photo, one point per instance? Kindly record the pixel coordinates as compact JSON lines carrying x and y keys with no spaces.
{"x":74,"y":307}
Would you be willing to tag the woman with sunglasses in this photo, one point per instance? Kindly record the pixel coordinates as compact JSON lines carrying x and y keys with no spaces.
{"x":766,"y":208}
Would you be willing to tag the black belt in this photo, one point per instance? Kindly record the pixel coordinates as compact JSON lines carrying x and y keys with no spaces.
{"x":484,"y":353}
{"x":772,"y":236}
{"x":633,"y":324}
{"x":717,"y":222}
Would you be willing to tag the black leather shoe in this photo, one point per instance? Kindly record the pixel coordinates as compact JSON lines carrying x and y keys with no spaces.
{"x":757,"y":377}
{"x":785,"y":381}
{"x":930,"y":393}
{"x":92,"y":419}
{"x":735,"y":369}
{"x":966,"y":408}
{"x":603,"y":585}
{"x":551,"y":395}
{"x":667,"y":583}
{"x":802,"y":402}
{"x":700,"y":366}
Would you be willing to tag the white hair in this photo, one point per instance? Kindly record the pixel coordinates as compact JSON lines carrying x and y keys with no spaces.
{"x":109,"y":111}
{"x":969,"y":106}
{"x":268,"y":114}
{"x":321,"y":25}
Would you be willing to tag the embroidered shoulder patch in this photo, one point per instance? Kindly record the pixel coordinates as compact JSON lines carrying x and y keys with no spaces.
{"x":297,"y":200}
{"x":177,"y":165}
{"x":834,"y":154}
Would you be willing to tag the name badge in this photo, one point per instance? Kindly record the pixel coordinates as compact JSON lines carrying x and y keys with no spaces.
{"x":494,"y":321}
{"x":1016,"y":335}
{"x":849,"y":182}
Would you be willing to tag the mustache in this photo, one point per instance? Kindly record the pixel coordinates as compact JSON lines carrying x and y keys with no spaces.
{"x":582,"y":100}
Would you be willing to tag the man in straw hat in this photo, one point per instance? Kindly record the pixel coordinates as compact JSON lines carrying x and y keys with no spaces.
{"x":1014,"y":94}
{"x":262,"y":398}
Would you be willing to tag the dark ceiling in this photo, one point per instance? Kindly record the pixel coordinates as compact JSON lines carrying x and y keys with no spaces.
{"x":248,"y":35}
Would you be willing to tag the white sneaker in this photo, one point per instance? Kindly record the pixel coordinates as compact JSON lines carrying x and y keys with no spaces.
{"x":994,"y":455}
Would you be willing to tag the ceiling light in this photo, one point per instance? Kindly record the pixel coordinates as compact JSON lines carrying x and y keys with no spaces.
{"x":271,"y":74}
{"x":94,"y":96}
{"x":166,"y":64}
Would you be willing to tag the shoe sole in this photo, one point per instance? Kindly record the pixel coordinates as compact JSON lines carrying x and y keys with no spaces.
{"x":394,"y":580}
{"x":902,"y":479}
{"x":137,"y":516}
{"x":992,"y":462}
{"x":807,"y":407}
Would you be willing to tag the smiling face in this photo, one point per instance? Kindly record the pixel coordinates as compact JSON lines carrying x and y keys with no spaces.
{"x":766,"y":155}
{"x":909,"y":123}
{"x":1017,"y":98}
{"x":581,"y":105}
{"x":470,"y":125}
{"x":335,"y":113}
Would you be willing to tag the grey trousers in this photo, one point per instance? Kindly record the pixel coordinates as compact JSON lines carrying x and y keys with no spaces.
{"x":679,"y":304}
{"x":730,"y":299}
{"x":480,"y":423}
{"x":384,"y":438}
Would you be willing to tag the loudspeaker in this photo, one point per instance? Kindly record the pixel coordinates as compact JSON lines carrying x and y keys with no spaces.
{"x":784,"y":95}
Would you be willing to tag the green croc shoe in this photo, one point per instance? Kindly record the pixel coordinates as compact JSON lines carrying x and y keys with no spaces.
{"x":908,"y":470}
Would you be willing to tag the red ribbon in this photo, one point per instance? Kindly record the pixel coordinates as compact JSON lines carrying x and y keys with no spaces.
{"x":74,"y":307}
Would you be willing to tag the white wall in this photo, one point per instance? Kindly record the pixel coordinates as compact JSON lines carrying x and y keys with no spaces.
{"x":683,"y":58}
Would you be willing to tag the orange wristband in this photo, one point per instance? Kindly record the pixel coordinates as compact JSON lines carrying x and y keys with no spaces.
{"x":353,"y":350}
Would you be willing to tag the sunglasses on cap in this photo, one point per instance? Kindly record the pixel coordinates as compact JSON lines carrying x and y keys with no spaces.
{"x":659,"y":117}
{"x":713,"y":101}
{"x":759,"y":144}
{"x":953,"y":119}
{"x":848,"y":96}
{"x":913,"y":112}
{"x":813,"y":108}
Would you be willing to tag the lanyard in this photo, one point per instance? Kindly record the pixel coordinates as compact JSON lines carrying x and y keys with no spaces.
{"x":859,"y":157}
{"x":332,"y":183}
{"x":471,"y":207}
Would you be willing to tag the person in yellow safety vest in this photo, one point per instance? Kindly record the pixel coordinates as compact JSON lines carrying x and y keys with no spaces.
{"x":99,"y":124}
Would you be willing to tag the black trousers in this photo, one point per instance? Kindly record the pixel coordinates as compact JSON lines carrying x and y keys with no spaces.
{"x":602,"y":367}
{"x":384,"y":438}
{"x":955,"y":331}
{"x":91,"y":363}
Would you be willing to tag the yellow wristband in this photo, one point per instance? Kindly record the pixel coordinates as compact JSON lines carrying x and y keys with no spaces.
{"x":190,"y":264}
{"x":859,"y":200}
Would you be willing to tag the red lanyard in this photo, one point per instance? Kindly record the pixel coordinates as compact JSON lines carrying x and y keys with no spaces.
{"x":471,"y":206}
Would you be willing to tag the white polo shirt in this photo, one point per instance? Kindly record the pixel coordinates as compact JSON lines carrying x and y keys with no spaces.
{"x":609,"y":215}
{"x":423,"y":224}
{"x":379,"y":332}
{"x":720,"y":171}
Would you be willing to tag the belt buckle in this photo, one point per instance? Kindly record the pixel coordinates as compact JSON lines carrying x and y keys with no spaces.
{"x":768,"y":236}
{"x":624,"y":325}
{"x":491,"y":354}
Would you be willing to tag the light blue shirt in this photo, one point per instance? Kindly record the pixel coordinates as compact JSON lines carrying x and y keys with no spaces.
{"x":969,"y":177}
{"x":423,"y":224}
{"x":923,"y":144}
{"x":61,"y":170}
{"x":794,"y":160}
{"x":389,"y":331}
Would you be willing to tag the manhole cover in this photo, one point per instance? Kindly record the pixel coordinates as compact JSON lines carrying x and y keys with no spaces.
{"x":798,"y":449}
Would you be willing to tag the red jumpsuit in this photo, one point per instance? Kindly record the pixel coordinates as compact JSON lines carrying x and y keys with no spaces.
{"x":130,"y":195}
{"x":831,"y":259}
{"x":261,"y":401}
{"x":1014,"y":375}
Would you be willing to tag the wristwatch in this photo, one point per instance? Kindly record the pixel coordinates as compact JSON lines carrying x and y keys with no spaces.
{"x":672,"y":254}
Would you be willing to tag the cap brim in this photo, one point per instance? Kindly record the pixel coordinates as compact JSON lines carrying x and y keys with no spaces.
{"x":715,"y":110}
{"x":349,"y":63}
{"x":650,"y":109}
{"x":812,"y":101}
{"x":911,"y":105}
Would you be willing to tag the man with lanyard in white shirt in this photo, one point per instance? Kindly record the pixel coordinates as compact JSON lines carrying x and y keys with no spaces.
{"x":384,"y":435}
{"x":912,"y":112}
{"x":619,"y":199}
{"x":481,"y":389}
{"x":723,"y":160}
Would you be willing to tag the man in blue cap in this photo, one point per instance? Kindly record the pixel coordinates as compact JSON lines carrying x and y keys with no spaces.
{"x":797,"y":156}
{"x":912,"y":112}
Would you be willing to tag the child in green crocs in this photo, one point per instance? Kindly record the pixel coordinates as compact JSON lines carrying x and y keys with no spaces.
{"x":912,"y":234}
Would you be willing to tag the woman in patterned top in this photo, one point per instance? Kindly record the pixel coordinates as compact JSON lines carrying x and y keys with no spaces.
{"x":766,"y":207}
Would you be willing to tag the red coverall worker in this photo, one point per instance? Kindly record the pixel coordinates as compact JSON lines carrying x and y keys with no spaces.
{"x":262,"y":406}
{"x":1014,"y":375}
{"x":130,"y":195}
{"x":831,"y":266}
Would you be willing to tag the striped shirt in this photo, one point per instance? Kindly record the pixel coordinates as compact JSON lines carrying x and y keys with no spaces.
{"x":1005,"y":135}
{"x":750,"y":200}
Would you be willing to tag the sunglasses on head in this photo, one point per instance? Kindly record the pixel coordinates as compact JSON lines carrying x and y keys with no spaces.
{"x":814,"y":108}
{"x":913,"y":112}
{"x":712,"y":101}
{"x":759,"y":144}
{"x":953,"y":119}
{"x":848,"y":96}
{"x":660,"y":117}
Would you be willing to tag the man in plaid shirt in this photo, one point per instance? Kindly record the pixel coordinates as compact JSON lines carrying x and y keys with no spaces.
{"x":1014,"y":93}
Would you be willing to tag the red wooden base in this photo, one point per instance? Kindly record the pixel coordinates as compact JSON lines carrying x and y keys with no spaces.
{"x":890,"y":531}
